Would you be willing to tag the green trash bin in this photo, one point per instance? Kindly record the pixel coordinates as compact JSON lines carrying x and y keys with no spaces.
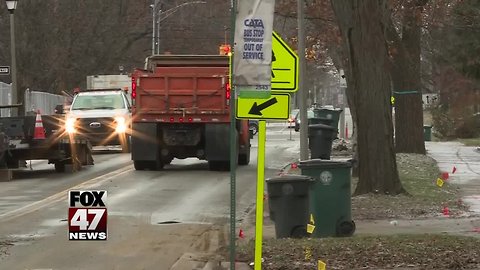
{"x":329,"y":197}
{"x":334,"y":115}
{"x":320,"y":140}
{"x":288,"y":204}
{"x":427,"y":133}
{"x":320,"y":120}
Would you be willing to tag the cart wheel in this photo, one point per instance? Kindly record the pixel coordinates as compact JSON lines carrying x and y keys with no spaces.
{"x":346,"y":228}
{"x":299,"y":232}
{"x":59,"y":167}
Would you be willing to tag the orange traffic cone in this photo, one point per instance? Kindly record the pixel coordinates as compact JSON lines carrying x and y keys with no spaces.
{"x":39,"y":133}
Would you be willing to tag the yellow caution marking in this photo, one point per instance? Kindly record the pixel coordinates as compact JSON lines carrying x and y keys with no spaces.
{"x":321,"y":265}
{"x":440,"y":182}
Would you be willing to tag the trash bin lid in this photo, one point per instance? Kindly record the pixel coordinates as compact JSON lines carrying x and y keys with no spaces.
{"x":290,"y":178}
{"x":322,"y":163}
{"x":328,"y":110}
{"x":323,"y":119}
{"x":321,"y":126}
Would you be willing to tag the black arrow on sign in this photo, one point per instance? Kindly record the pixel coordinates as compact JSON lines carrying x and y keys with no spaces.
{"x":257,"y":109}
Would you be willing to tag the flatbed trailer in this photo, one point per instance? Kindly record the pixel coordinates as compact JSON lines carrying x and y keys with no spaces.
{"x":18,"y":143}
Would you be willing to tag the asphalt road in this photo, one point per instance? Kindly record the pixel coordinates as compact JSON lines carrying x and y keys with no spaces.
{"x":153,"y":216}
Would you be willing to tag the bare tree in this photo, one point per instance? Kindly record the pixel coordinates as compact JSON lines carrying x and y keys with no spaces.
{"x":362,"y":24}
{"x":406,"y":77}
{"x":59,"y":43}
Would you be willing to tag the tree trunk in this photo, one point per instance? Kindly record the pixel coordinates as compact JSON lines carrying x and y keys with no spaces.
{"x":407,"y":85}
{"x":361,"y":23}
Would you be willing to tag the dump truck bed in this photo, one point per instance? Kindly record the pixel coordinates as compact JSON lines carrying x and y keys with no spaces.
{"x":183,"y":89}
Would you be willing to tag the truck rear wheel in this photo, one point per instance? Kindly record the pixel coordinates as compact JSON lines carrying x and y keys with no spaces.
{"x":140,"y":165}
{"x":13,"y":164}
{"x":167,"y":160}
{"x":152,"y":165}
{"x":59,"y":167}
{"x":244,"y":158}
{"x":216,"y":165}
{"x":156,"y":165}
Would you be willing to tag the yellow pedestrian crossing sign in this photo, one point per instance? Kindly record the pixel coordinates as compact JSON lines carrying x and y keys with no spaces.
{"x":284,"y":66}
{"x":275,"y":107}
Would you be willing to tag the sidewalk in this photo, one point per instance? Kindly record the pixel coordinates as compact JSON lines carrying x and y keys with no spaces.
{"x":466,"y":161}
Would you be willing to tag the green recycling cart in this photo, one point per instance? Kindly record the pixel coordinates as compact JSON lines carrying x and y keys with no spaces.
{"x":288,"y":204}
{"x":427,"y":133}
{"x":333,"y":115}
{"x":329,"y":197}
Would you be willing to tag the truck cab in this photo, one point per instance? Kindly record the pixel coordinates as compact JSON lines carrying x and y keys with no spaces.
{"x":103,"y":116}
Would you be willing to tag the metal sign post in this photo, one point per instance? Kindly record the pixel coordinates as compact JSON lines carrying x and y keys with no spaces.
{"x":233,"y":143}
{"x":262,"y":130}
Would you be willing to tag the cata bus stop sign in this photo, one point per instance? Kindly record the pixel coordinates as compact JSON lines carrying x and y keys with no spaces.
{"x":252,"y":60}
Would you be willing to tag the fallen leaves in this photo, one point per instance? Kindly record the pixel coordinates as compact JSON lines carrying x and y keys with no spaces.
{"x":427,"y":251}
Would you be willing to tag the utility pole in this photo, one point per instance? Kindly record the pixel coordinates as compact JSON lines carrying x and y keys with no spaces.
{"x":302,"y":90}
{"x":343,"y":100}
{"x":158,"y":29}
{"x":154,"y":16}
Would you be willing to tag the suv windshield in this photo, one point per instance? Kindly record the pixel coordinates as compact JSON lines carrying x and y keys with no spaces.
{"x":98,"y":102}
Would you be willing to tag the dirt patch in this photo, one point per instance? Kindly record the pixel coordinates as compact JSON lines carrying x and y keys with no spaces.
{"x":4,"y":245}
{"x":369,"y":252}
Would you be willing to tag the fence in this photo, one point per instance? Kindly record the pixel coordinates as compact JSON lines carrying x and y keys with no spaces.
{"x":45,"y":102}
{"x":5,"y":98}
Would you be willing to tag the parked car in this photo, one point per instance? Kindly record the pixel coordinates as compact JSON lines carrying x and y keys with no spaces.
{"x":253,"y":126}
{"x":291,"y":117}
{"x":310,"y":115}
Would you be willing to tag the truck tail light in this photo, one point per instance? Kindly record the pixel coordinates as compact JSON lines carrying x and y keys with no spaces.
{"x":134,"y":87}
{"x":227,"y":90}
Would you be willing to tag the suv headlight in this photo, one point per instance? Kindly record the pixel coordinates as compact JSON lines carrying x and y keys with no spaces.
{"x":121,"y":126}
{"x":70,"y":125}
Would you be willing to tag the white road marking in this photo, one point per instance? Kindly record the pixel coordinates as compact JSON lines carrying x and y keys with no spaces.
{"x":63,"y":194}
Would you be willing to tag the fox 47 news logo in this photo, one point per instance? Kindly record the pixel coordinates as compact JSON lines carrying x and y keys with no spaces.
{"x":87,"y":215}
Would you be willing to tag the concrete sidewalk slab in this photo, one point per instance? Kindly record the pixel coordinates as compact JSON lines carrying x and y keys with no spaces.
{"x":466,"y":161}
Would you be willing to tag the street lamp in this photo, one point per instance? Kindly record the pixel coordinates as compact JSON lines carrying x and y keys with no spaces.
{"x":11,"y":6}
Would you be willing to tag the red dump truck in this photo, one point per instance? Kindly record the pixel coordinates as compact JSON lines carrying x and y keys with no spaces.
{"x":181,"y":109}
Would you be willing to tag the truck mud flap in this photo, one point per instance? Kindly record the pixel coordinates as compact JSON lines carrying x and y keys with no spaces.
{"x":144,"y":142}
{"x":217,"y":142}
